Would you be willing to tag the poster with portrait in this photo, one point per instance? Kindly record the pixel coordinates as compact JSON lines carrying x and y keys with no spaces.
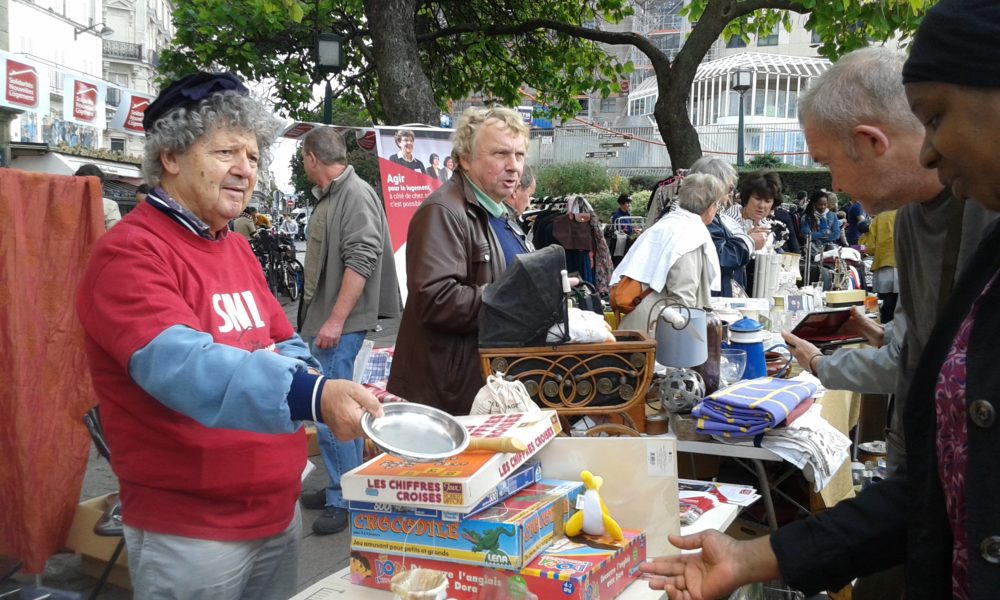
{"x":413,"y":162}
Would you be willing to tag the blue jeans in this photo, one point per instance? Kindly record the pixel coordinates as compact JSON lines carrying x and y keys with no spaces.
{"x":338,"y":457}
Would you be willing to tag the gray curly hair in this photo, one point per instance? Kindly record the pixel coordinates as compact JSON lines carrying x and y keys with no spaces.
{"x":181,"y":128}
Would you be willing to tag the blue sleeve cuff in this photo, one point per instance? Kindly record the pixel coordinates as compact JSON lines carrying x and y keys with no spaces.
{"x":304,"y":397}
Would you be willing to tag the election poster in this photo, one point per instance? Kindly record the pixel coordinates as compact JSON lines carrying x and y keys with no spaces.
{"x":413,"y":162}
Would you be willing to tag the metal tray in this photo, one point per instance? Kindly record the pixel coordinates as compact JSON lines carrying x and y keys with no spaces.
{"x":416,"y":432}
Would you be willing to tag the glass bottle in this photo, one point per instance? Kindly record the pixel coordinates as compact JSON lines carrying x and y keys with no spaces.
{"x":709,"y":370}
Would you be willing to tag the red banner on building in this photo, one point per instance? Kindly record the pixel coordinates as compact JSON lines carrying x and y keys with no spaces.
{"x":24,"y":84}
{"x":131,"y":109}
{"x":83,"y":100}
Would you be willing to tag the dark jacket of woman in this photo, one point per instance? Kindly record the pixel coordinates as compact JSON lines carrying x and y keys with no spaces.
{"x":734,"y":255}
{"x":905,"y":516}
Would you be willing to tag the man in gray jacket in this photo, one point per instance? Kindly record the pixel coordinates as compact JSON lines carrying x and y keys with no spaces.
{"x":857,"y":122}
{"x":350,"y":281}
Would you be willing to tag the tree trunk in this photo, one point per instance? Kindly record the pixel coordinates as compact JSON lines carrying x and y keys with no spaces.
{"x":671,"y":113}
{"x":404,"y":89}
{"x":676,"y":129}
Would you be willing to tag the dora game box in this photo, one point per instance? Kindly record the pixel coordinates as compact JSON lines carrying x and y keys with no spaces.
{"x":583,"y":568}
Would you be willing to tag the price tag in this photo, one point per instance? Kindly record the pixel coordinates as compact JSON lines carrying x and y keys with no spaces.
{"x":661,"y":458}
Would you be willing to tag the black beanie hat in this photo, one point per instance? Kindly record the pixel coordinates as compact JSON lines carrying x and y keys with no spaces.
{"x":190,"y":90}
{"x":957,"y":43}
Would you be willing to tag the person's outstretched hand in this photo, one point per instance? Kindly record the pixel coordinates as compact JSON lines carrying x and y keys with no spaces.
{"x":723,"y":565}
{"x":344,"y":403}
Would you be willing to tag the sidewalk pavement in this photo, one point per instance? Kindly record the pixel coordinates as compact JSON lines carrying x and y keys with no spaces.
{"x":319,"y":556}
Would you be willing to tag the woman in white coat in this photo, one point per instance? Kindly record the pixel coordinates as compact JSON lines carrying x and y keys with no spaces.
{"x":676,"y":256}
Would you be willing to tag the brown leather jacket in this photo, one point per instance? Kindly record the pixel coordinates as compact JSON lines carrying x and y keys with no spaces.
{"x":451,"y":253}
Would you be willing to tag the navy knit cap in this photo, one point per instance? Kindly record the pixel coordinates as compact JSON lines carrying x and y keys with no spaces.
{"x":957,"y":43}
{"x":190,"y":90}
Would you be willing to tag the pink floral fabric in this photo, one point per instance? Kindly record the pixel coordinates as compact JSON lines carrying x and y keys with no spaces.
{"x":952,"y":446}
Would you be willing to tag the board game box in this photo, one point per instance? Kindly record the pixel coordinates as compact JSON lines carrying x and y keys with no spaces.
{"x":507,"y":535}
{"x":526,"y":475}
{"x":585,"y":567}
{"x":458,"y":483}
{"x":465,"y":582}
{"x":564,"y":572}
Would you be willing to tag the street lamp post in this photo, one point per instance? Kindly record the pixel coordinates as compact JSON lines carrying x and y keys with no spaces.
{"x":330,"y":59}
{"x":104,"y":31}
{"x":742,"y":81}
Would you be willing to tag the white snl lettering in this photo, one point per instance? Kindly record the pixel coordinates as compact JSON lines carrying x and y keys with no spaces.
{"x":236,"y":311}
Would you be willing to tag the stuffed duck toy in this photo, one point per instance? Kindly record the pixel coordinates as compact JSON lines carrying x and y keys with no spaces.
{"x":593,"y":518}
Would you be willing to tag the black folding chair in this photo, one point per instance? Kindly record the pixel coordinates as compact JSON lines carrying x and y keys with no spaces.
{"x":110,"y":523}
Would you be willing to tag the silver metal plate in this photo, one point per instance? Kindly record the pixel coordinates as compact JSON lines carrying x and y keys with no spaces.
{"x":416,"y":432}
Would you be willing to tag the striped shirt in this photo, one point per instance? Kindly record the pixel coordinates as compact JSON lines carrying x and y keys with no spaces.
{"x":162,"y":201}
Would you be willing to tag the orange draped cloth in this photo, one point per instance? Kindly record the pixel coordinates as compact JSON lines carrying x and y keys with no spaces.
{"x":48,"y":225}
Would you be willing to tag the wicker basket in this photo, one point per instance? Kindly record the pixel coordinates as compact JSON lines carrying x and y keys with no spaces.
{"x":581,"y":379}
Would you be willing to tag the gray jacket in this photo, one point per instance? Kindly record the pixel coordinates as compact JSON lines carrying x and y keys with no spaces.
{"x":348,"y":229}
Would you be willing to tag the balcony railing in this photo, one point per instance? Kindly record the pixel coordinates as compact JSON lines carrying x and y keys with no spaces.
{"x":126,"y":50}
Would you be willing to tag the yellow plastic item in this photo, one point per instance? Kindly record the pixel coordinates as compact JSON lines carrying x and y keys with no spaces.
{"x":594,"y":518}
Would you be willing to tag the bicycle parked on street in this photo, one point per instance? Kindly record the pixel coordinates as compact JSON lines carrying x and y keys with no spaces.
{"x":276,"y":253}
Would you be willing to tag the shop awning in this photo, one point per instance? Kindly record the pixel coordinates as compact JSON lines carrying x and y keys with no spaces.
{"x":65,"y":164}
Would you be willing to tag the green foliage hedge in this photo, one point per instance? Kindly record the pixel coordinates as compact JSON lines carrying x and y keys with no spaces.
{"x":571,"y":178}
{"x":605,"y":203}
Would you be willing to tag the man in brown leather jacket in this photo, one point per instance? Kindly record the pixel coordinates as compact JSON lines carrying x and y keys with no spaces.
{"x":458,"y":242}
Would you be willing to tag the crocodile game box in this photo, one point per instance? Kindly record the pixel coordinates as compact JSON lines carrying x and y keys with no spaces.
{"x":507,"y":535}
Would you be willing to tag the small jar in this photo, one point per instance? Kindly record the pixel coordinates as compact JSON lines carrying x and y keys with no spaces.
{"x":656,"y":424}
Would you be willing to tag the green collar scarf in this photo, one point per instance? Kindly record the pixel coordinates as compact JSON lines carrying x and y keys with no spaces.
{"x":493,"y":207}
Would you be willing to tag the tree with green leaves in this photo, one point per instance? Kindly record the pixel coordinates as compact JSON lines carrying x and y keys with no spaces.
{"x":347,"y":111}
{"x":407,"y":58}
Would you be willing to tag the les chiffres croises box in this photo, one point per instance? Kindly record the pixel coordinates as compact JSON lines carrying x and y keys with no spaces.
{"x":528,"y":474}
{"x":458,"y":483}
{"x":507,"y":535}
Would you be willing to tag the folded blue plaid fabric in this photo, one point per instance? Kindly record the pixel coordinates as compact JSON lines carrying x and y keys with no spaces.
{"x":378,"y":366}
{"x":750,"y":407}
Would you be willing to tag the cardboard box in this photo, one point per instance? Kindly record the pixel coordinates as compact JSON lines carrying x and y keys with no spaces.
{"x":457,"y":483}
{"x":464,"y":581}
{"x":745,"y":529}
{"x":526,"y":475}
{"x":586,"y":567}
{"x":311,"y":440}
{"x":96,"y":550}
{"x":507,"y":535}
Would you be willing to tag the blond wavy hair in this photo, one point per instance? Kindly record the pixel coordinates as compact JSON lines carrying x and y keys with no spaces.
{"x":463,"y":140}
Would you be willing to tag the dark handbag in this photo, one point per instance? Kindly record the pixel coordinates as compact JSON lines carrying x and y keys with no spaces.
{"x":585,"y":297}
{"x":572,"y":231}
